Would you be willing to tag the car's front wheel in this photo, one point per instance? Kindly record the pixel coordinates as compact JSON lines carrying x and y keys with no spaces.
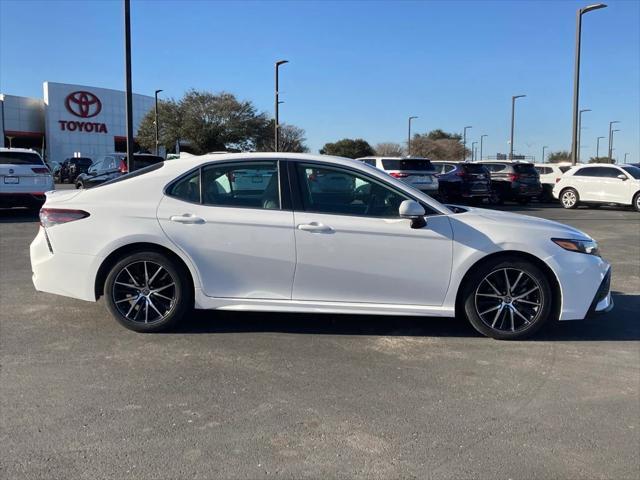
{"x":569,"y":198}
{"x":507,"y":299}
{"x":636,"y":202}
{"x":79,"y":185}
{"x":148,"y":292}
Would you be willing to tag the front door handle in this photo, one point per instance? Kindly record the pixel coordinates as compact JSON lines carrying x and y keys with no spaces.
{"x":187,"y":218}
{"x":315,"y":227}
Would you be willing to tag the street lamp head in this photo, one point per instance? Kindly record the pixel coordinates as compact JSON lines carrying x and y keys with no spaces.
{"x":412,"y":117}
{"x":281,"y":62}
{"x":589,"y":8}
{"x":518,"y":96}
{"x":615,"y":121}
{"x":158,"y":91}
{"x":615,"y":130}
{"x":585,"y":110}
{"x":485,"y":135}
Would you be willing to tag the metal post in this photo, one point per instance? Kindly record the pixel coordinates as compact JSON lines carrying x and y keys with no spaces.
{"x":409,"y":138}
{"x":513,"y":115}
{"x":611,"y":138}
{"x":128,"y":88}
{"x":576,"y":79}
{"x":543,"y":149}
{"x":156,"y":119}
{"x":277,"y":106}
{"x":481,"y":141}
{"x":473,"y":150}
{"x":611,"y":149}
{"x":598,"y":147}
{"x":580,"y":131}
{"x":625,"y":157}
{"x":464,"y":143}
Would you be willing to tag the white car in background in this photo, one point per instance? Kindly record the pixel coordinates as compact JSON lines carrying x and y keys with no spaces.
{"x":176,"y":235}
{"x":24,"y":178}
{"x":420,"y":173}
{"x":595,"y":184}
{"x":550,"y":174}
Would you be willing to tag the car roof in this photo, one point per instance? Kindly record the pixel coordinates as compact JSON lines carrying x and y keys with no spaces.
{"x":582,"y":165}
{"x":391,"y":157}
{"x":18,"y":150}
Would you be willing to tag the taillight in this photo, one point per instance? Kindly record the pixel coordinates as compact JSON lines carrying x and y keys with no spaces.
{"x":513,"y":177}
{"x":123,"y":166}
{"x":399,"y":175}
{"x":40,"y":170}
{"x":55,"y":216}
{"x":461,"y":173}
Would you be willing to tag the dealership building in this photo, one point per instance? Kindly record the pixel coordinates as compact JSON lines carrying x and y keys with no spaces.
{"x":70,"y":120}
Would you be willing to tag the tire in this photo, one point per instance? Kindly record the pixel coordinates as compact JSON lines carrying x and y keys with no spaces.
{"x":154,"y":304}
{"x":636,"y":202}
{"x":569,"y":198}
{"x":528,"y":285}
{"x":79,"y":185}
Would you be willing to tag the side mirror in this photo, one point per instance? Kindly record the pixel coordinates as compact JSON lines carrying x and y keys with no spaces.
{"x":622,"y":176}
{"x":414,"y":211}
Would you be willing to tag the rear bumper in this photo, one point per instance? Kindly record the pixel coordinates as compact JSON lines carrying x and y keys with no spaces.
{"x":62,"y":273}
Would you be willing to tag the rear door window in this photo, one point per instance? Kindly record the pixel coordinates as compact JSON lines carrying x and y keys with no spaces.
{"x":473,"y":168}
{"x":525,"y":169}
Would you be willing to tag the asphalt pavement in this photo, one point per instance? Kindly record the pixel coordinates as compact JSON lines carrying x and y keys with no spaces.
{"x":253,"y":395}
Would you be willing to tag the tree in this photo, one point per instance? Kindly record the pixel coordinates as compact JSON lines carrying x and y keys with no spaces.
{"x":559,"y":157}
{"x":349,"y":148}
{"x":292,"y":138}
{"x":438,"y":145}
{"x":208,"y":122}
{"x":389,"y":149}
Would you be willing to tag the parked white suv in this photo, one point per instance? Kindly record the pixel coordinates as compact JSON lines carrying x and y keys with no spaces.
{"x":550,"y":174}
{"x":599,"y":183}
{"x":24,"y":178}
{"x":420,"y":173}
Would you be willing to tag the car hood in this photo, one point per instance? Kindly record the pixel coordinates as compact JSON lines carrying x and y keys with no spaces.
{"x":487,"y":220}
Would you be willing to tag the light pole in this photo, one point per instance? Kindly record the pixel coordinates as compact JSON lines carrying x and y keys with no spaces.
{"x":481,"y":141}
{"x":576,"y":79}
{"x":10,"y":140}
{"x":625,"y":157}
{"x":611,"y":149}
{"x":580,"y":131}
{"x":156,"y":119}
{"x":473,"y":150}
{"x":598,"y":147}
{"x":513,"y":116}
{"x":277,"y":107}
{"x":464,"y":142}
{"x":409,"y":137}
{"x":128,"y":87}
{"x":543,"y":149}
{"x":611,"y":137}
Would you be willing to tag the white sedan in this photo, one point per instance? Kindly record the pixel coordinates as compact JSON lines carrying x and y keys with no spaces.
{"x":209,"y":232}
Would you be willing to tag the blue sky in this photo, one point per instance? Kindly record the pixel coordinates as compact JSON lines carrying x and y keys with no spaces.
{"x":358,"y":69}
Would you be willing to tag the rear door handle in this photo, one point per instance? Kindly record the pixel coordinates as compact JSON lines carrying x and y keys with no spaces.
{"x":315,"y":227}
{"x":187,"y":218}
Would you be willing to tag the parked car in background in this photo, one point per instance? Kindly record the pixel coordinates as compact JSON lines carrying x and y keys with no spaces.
{"x":54,"y":167}
{"x":112,"y":166}
{"x":72,"y":167}
{"x":516,"y":181}
{"x":550,"y":174}
{"x":417,"y":172}
{"x":462,"y":180}
{"x":595,"y":184}
{"x":24,"y":178}
{"x":165,"y":239}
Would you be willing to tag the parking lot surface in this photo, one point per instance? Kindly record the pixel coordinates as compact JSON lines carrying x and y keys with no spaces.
{"x":248,"y":395}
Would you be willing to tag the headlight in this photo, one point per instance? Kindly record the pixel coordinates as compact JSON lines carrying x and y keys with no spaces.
{"x":590,"y":247}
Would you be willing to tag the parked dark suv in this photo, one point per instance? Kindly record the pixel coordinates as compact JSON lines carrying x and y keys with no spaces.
{"x":462,"y":180}
{"x":72,"y":167}
{"x":517,"y":181}
{"x":112,"y":166}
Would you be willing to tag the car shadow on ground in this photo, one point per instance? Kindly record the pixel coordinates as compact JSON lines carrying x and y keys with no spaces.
{"x":621,"y":324}
{"x":18,"y":215}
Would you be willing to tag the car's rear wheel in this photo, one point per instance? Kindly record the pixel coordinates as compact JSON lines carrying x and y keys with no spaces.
{"x":79,"y":185}
{"x":147,"y":292}
{"x":569,"y":198}
{"x":507,"y":299}
{"x":636,"y":202}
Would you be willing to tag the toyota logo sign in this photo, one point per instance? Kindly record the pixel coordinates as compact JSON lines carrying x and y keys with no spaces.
{"x":83,"y":104}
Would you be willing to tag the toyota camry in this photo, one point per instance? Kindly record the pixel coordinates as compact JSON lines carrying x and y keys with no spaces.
{"x":307,"y":233}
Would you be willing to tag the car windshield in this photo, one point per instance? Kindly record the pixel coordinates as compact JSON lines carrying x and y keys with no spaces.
{"x":20,"y":158}
{"x":407,"y":164}
{"x":633,"y":171}
{"x":128,"y":176}
{"x":83,"y":162}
